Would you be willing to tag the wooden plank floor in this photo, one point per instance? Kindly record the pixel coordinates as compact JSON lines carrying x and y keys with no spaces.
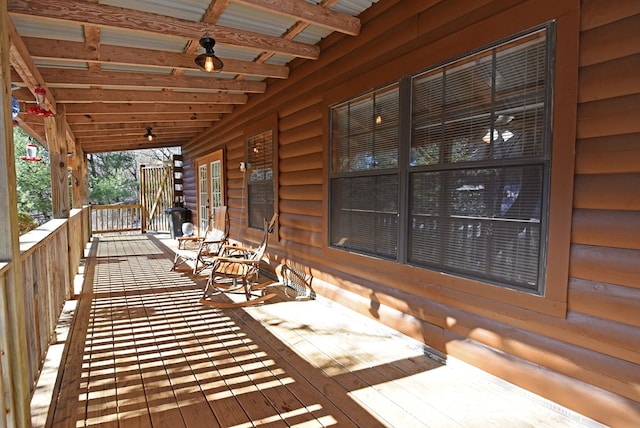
{"x":144,"y":353}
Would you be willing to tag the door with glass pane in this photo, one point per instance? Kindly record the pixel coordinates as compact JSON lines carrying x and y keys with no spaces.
{"x":210,"y":187}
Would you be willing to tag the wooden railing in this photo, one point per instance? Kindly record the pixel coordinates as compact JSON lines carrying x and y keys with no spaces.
{"x":49,"y":259}
{"x":116,"y":218}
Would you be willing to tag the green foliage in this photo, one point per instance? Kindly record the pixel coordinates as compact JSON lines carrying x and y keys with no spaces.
{"x":33,"y":179}
{"x":112,"y":178}
{"x":111,"y":189}
{"x":26,"y":223}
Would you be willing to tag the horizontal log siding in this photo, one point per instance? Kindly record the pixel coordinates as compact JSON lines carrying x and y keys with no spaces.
{"x":301,"y":174}
{"x":604,"y":286}
{"x":586,"y":360}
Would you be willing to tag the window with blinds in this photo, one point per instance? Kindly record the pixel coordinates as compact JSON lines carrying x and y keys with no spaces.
{"x":364,"y":185}
{"x":476,"y":157}
{"x":260,"y":184}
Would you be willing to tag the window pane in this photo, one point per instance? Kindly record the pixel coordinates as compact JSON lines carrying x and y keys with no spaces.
{"x":426,"y":136}
{"x":260,"y":178}
{"x":488,"y":226}
{"x":365,"y":132}
{"x":365,"y":214}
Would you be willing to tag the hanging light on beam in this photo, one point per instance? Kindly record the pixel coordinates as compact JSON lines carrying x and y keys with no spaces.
{"x":149,"y":135}
{"x":208,"y":61}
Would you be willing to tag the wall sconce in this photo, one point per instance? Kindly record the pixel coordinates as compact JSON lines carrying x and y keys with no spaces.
{"x":208,"y":61}
{"x":149,"y":135}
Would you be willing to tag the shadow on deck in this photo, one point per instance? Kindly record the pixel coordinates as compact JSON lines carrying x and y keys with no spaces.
{"x":142,"y":352}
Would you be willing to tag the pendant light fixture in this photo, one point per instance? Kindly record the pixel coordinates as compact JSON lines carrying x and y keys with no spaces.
{"x":208,"y":61}
{"x":149,"y":135}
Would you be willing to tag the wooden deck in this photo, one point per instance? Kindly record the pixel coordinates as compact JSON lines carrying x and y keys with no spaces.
{"x":143,"y":353}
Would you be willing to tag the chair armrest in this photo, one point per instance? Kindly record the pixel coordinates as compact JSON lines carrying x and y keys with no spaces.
{"x":237,"y":260}
{"x":182,"y":240}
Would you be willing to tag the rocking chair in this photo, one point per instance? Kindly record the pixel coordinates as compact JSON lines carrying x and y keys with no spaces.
{"x":237,"y":270}
{"x":209,"y":246}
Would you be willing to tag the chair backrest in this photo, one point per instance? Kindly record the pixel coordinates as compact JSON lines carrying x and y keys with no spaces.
{"x":218,"y":228}
{"x":258,"y":253}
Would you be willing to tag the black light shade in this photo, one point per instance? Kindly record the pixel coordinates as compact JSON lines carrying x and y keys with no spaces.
{"x":149,"y":135}
{"x":208,"y":61}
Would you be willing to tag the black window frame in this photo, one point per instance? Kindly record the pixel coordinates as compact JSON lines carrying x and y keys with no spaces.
{"x":404,"y":170}
{"x":260,"y":172}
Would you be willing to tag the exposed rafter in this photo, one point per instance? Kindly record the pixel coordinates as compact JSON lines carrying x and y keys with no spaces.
{"x":57,"y":76}
{"x":309,"y":13}
{"x":118,"y":55}
{"x":122,"y":96}
{"x":117,"y":17}
{"x":118,"y":70}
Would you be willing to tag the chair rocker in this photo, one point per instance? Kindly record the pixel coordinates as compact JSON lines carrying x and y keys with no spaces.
{"x":209,"y":246}
{"x":237,"y":271}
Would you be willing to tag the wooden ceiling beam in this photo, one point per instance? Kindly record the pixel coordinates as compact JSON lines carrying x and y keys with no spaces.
{"x":130,"y":19}
{"x":157,"y":118}
{"x":132,"y":132}
{"x":115,"y":79}
{"x":121,"y":126}
{"x":91,"y":40}
{"x":22,"y":63}
{"x":24,"y":66}
{"x":134,"y":138}
{"x":310,"y":13}
{"x":101,"y":147}
{"x":92,"y":43}
{"x":295,"y":29}
{"x":140,"y":108}
{"x":108,"y":54}
{"x":122,"y":96}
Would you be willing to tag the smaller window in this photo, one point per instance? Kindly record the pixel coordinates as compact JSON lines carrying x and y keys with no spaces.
{"x":260,"y":183}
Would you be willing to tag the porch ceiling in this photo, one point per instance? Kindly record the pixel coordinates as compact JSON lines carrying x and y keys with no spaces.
{"x":120,"y":66}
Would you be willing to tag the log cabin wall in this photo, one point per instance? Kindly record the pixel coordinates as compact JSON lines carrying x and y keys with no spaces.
{"x":579,"y":347}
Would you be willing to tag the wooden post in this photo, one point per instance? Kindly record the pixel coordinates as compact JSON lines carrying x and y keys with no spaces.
{"x":15,"y":372}
{"x":55,"y":129}
{"x":79,"y":179}
{"x":143,"y":201}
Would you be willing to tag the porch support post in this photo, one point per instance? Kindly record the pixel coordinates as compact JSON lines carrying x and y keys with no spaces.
{"x":55,"y":129}
{"x":80,"y":178}
{"x":13,"y":337}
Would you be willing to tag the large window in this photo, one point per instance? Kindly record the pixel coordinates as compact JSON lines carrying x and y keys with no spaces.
{"x":448,"y":169}
{"x":260,"y":182}
{"x":364,"y":189}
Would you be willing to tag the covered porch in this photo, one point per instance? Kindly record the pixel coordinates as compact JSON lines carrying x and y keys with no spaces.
{"x":142,"y":352}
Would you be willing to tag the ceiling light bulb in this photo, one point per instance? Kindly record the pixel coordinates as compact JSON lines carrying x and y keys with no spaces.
{"x":149,"y":135}
{"x":208,"y":64}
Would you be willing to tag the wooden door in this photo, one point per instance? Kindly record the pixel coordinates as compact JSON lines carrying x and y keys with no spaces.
{"x":210,"y":186}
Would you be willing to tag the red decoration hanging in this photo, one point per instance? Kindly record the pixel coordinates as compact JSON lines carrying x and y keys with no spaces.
{"x":38,"y":109}
{"x":32,"y":153}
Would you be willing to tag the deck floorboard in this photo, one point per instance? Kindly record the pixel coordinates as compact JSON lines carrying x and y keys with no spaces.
{"x":144,"y":353}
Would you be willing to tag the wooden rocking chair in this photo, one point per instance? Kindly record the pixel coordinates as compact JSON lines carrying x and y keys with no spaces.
{"x":209,"y":246}
{"x":236,"y":271}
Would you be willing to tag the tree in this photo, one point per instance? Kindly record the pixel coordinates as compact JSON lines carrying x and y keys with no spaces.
{"x":33,"y":179}
{"x":113,"y":178}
